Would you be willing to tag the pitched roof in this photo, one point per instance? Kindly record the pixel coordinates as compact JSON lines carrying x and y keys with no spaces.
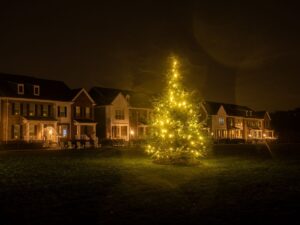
{"x":259,"y":114}
{"x":211,"y":108}
{"x":231,"y":109}
{"x":105,"y":96}
{"x":76,"y":93}
{"x":49,"y":89}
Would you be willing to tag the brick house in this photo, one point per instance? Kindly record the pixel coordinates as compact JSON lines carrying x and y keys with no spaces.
{"x":83,"y":123}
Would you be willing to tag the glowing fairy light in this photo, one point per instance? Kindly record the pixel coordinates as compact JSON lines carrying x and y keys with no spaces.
{"x":175,"y":127}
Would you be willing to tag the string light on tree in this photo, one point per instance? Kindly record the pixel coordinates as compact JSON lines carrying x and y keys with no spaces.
{"x":176,"y":131}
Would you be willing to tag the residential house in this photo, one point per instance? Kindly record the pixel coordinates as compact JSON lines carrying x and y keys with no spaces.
{"x":111,"y":113}
{"x":235,"y":122}
{"x":83,"y":123}
{"x":140,"y":112}
{"x":34,"y":109}
{"x":121,"y":114}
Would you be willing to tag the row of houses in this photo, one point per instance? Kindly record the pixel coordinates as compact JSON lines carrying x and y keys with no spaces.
{"x":34,"y":109}
{"x":236,"y":123}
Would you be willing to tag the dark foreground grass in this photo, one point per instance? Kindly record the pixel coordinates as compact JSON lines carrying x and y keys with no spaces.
{"x":118,"y":187}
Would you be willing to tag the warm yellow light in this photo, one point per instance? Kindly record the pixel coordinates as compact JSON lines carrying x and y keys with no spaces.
{"x":174,"y":62}
{"x":175,"y":124}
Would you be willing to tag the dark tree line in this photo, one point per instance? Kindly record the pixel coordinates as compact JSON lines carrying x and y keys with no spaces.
{"x":287,"y":125}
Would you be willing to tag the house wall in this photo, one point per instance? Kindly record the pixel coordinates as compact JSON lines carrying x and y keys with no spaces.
{"x":218,"y":129}
{"x":249,"y":132}
{"x":82,"y":101}
{"x":235,"y":127}
{"x":61,"y":120}
{"x":119,"y":103}
{"x":108,"y":126}
{"x":102,"y":121}
{"x":139,"y":122}
{"x":244,"y":127}
{"x":8,"y":118}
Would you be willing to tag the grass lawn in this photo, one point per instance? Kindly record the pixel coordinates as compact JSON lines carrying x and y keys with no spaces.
{"x":118,"y":187}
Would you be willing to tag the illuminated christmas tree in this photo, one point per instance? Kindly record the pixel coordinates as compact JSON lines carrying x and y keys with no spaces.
{"x":176,"y":135}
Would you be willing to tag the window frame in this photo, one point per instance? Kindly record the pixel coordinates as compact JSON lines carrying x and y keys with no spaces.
{"x":119,"y":114}
{"x":36,"y":87}
{"x":223,"y":121}
{"x":20,"y":92}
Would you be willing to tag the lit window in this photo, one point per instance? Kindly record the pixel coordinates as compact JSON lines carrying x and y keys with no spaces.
{"x":20,"y":89}
{"x":119,"y":114}
{"x":16,"y":108}
{"x":62,"y":111}
{"x":36,"y":90}
{"x":221,"y":121}
{"x":16,"y":131}
{"x":31,"y":109}
{"x":63,"y":130}
{"x":45,"y":110}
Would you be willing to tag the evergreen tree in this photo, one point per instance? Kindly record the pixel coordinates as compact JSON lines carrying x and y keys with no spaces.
{"x":176,"y":135}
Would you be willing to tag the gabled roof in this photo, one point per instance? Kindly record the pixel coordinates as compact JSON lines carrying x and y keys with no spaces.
{"x":75,"y":92}
{"x":260,"y":114}
{"x":78,"y":91}
{"x":49,"y":89}
{"x":211,"y":108}
{"x":231,"y":109}
{"x":105,"y":96}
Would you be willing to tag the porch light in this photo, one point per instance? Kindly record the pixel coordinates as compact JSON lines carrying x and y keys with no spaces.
{"x":131,"y":132}
{"x":50,"y":131}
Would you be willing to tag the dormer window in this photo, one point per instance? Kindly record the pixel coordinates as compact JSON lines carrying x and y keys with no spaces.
{"x":36,"y":90}
{"x":20,"y":89}
{"x":248,"y":113}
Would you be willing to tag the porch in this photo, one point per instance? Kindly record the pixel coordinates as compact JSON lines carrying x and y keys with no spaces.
{"x":85,"y":129}
{"x":40,"y":129}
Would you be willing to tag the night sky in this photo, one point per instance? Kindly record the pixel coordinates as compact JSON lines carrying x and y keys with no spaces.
{"x":232,"y":52}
